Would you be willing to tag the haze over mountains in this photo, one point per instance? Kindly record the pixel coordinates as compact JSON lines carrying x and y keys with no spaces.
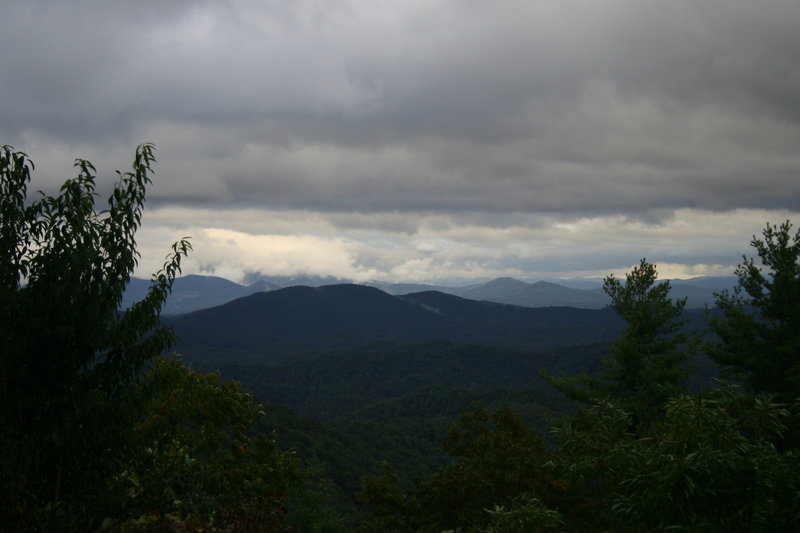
{"x":194,"y":292}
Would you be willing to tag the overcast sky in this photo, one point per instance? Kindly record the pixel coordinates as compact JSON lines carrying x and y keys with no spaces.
{"x":422,"y":140}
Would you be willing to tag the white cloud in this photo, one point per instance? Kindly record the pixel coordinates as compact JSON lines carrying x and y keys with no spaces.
{"x":689,"y":243}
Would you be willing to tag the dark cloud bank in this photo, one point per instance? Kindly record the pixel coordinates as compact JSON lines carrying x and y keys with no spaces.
{"x":498,"y":129}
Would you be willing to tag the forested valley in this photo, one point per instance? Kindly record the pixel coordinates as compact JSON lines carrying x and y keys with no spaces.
{"x":344,"y":408}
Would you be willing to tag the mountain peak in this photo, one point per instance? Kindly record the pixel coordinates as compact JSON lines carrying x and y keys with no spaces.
{"x":504,"y":282}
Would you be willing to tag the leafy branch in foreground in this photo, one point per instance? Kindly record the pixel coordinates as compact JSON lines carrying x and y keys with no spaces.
{"x":65,"y":349}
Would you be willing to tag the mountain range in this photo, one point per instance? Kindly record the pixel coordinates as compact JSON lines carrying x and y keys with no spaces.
{"x":269,"y":325}
{"x":194,"y":292}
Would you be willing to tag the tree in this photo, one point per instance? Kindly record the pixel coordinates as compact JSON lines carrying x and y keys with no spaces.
{"x":390,"y":508}
{"x":498,"y":458}
{"x":66,"y":351}
{"x":498,"y":465}
{"x":192,"y":463}
{"x":759,"y":326}
{"x":711,"y":465}
{"x":647,"y":364}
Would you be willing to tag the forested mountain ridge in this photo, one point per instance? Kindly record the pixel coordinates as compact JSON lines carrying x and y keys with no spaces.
{"x":195,"y":292}
{"x":341,"y":316}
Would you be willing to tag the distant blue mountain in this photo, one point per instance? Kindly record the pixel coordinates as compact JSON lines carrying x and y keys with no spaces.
{"x":193,"y":292}
{"x":539,"y":294}
{"x":714,"y":283}
{"x":547,"y":294}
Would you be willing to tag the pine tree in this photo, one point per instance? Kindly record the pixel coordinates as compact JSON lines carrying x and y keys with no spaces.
{"x":648,"y":363}
{"x":759,"y":328}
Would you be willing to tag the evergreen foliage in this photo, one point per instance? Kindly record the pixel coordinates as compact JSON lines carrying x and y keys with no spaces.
{"x":647,"y":364}
{"x":759,"y":331}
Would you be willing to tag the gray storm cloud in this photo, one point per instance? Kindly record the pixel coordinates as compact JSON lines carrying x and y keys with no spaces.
{"x":367,"y":114}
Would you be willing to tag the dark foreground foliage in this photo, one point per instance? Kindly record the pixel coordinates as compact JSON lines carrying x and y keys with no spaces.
{"x":95,"y":433}
{"x":67,"y":355}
